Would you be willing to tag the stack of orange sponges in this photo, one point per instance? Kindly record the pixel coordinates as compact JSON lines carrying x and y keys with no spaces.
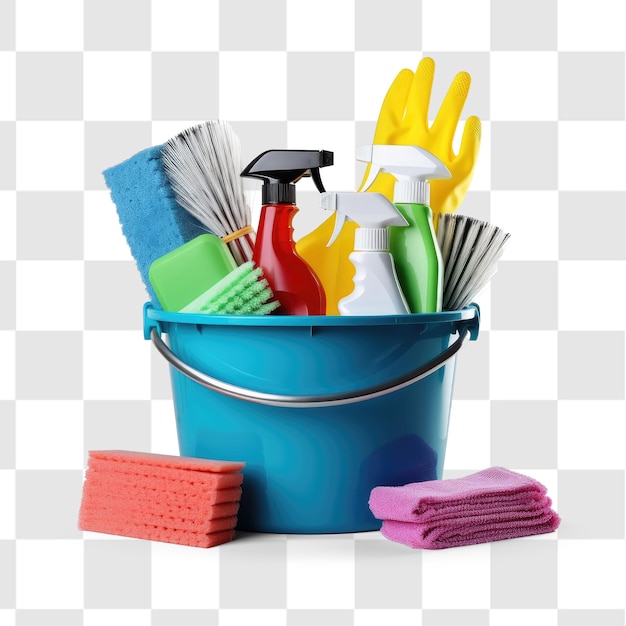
{"x":161,"y":497}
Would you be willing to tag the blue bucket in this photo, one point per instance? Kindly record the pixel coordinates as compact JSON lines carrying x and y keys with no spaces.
{"x":322,"y":409}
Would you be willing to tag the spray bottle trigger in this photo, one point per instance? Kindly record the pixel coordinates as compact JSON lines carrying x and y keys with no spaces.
{"x":317,"y":179}
{"x":371,"y":177}
{"x":328,"y":201}
{"x":340,"y":218}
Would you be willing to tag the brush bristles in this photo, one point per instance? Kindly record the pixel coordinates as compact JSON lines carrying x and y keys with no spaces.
{"x":470,"y":250}
{"x":242,"y":292}
{"x":203,"y":164}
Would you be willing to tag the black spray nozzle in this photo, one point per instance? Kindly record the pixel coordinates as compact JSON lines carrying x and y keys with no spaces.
{"x":281,"y":169}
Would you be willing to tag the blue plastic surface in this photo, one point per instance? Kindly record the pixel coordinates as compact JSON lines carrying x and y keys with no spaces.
{"x":311,"y":470}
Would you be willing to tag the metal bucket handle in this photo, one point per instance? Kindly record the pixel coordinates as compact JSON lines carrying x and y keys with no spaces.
{"x":309,"y":401}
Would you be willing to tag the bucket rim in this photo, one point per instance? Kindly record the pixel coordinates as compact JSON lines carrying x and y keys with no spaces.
{"x":470,"y":312}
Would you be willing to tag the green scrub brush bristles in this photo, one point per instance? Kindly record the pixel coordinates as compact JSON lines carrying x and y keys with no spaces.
{"x":242,"y":292}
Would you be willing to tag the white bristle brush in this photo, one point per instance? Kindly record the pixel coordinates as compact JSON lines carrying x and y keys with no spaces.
{"x":470,"y":250}
{"x":203,"y":165}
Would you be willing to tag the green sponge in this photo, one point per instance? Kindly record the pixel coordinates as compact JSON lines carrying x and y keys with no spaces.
{"x":243,"y":291}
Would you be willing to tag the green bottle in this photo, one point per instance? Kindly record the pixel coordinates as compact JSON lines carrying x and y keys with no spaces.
{"x":414,"y":248}
{"x":417,"y":258}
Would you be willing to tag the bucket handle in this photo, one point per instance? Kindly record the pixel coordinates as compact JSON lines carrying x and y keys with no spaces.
{"x":309,"y":401}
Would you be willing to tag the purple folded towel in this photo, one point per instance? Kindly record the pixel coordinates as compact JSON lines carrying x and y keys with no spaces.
{"x":490,"y":505}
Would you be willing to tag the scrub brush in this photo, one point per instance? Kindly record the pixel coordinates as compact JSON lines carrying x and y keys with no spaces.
{"x":203,"y":164}
{"x":241,"y":292}
{"x":470,"y":250}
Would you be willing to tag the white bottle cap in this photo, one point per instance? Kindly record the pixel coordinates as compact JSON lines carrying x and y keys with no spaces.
{"x":371,"y":240}
{"x":412,"y":192}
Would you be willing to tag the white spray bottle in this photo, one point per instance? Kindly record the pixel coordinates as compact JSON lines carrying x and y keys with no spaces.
{"x":414,"y":248}
{"x":376,"y":287}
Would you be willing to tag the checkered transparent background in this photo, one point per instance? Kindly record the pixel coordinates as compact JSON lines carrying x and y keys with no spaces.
{"x":86,"y":84}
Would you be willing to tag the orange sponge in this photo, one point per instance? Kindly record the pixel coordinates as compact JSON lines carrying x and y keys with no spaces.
{"x":161,"y":497}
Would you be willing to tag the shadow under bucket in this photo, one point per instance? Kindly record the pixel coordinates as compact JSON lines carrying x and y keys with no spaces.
{"x":322,"y":409}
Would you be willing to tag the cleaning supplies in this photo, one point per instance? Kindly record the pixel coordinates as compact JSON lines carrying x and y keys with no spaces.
{"x":243,"y":291}
{"x":203,"y":164}
{"x":403,"y":120}
{"x":188,"y":271}
{"x":376,"y":289}
{"x":490,"y":505}
{"x":295,"y":284}
{"x":153,"y":223}
{"x":414,"y":248}
{"x":470,"y":250}
{"x":143,"y":495}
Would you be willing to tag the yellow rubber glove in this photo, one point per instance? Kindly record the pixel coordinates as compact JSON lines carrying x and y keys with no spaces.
{"x":403,"y":120}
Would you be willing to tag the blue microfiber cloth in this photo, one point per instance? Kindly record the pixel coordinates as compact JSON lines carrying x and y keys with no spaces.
{"x":152,"y":221}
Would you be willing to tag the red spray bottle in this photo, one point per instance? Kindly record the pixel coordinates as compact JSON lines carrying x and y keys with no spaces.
{"x":293,"y":281}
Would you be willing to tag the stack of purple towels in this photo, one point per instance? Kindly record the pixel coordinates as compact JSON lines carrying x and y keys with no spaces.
{"x":490,"y":505}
